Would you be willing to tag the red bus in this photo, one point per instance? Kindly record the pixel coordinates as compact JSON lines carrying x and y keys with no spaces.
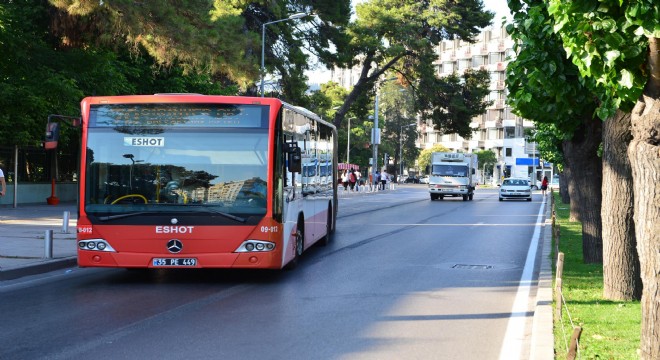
{"x":197,"y":181}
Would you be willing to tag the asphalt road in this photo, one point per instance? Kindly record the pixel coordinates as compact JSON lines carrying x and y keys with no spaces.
{"x":405,"y":278}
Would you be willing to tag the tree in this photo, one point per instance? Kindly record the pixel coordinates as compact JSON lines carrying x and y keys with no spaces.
{"x":617,"y":43}
{"x":424,"y":159}
{"x":486,"y":159}
{"x":400,"y":126}
{"x":547,"y":88}
{"x":621,"y":272}
{"x":221,"y":38}
{"x":399,"y":37}
{"x":41,"y":75}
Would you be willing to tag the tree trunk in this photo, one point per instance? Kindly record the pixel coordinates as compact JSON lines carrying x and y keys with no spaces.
{"x":571,"y":190}
{"x":563,"y":188}
{"x":644,"y":153}
{"x":586,"y":173}
{"x":621,"y":278}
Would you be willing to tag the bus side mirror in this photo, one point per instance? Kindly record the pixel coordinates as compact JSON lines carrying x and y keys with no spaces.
{"x":473,"y":172}
{"x":294,"y":158}
{"x":52,"y":135}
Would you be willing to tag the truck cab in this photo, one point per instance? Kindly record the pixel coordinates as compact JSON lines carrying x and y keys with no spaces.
{"x":452,"y":174}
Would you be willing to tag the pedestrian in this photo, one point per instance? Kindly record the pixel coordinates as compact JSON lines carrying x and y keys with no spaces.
{"x":544,"y":185}
{"x":352,"y":179}
{"x":384,"y":178}
{"x":344,"y":179}
{"x":377,"y":180}
{"x":2,"y":182}
{"x":358,"y":176}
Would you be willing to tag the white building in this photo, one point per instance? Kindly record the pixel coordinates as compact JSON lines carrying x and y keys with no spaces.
{"x":498,"y":129}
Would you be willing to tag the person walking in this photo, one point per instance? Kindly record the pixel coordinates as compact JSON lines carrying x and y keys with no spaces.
{"x":352,"y":179}
{"x":544,"y":185}
{"x":344,"y":179}
{"x":384,"y":178}
{"x":377,"y":180}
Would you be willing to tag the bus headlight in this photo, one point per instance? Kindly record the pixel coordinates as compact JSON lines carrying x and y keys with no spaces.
{"x":95,"y":245}
{"x":255,"y":246}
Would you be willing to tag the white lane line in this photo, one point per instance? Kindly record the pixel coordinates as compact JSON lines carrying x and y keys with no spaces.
{"x":477,"y":224}
{"x":514,"y":338}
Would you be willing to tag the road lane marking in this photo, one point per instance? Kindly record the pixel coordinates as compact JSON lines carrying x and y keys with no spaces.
{"x":514,"y":338}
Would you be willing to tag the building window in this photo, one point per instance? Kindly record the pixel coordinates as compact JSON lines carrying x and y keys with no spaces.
{"x":495,"y":114}
{"x":509,"y":132}
{"x":464,"y":64}
{"x":495,"y":57}
{"x":508,"y":151}
{"x":479,"y":60}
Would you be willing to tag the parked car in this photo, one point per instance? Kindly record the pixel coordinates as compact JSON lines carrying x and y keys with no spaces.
{"x":515,"y":188}
{"x":424,"y":179}
{"x":411,"y":180}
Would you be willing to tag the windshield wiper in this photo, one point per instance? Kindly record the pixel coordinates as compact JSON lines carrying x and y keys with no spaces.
{"x":119,"y":216}
{"x":208,"y":210}
{"x":227,"y":215}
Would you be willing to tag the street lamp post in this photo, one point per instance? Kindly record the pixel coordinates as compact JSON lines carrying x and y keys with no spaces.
{"x":375,"y":140}
{"x":348,"y":144}
{"x":401,"y":146}
{"x":263,"y":37}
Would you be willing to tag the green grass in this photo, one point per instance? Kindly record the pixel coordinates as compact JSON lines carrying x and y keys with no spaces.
{"x":610,"y":329}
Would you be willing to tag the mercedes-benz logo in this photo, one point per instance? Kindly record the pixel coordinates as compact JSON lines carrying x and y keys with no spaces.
{"x":174,"y":246}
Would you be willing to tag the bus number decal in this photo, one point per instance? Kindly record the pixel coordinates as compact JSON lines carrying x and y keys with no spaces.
{"x":270,"y":229}
{"x":85,"y":229}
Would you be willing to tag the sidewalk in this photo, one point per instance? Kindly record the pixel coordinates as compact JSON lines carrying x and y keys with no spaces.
{"x":22,"y":239}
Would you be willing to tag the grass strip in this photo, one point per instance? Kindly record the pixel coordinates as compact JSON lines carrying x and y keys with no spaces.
{"x":610,"y":329}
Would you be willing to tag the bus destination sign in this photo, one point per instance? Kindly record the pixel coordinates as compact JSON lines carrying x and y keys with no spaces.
{"x":179,"y":115}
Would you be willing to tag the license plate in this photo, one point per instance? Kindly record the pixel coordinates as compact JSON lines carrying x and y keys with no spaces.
{"x":174,"y":262}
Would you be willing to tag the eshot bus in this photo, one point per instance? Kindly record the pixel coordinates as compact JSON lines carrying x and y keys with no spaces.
{"x":196,"y":181}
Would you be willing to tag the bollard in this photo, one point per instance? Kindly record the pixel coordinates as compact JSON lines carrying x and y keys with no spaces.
{"x":48,"y":244}
{"x":65,"y":222}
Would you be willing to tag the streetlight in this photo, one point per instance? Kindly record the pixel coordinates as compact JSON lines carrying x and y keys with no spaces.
{"x":348,"y":144}
{"x":401,"y":145}
{"x":263,"y":37}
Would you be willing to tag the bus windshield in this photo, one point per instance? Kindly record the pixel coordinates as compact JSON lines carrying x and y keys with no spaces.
{"x":145,"y":169}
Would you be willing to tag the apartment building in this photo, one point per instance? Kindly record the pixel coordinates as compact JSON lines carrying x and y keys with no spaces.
{"x":498,"y":129}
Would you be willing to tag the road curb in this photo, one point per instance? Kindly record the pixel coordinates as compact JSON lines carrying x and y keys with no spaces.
{"x":543,"y":342}
{"x":38,"y":268}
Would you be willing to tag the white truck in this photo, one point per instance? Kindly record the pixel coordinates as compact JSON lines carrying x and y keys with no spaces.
{"x":452,"y":174}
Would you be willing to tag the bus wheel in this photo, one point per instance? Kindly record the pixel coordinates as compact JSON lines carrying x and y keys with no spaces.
{"x":328,"y":229}
{"x":300,"y":237}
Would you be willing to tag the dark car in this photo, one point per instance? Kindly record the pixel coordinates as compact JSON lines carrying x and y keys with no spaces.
{"x":411,"y":180}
